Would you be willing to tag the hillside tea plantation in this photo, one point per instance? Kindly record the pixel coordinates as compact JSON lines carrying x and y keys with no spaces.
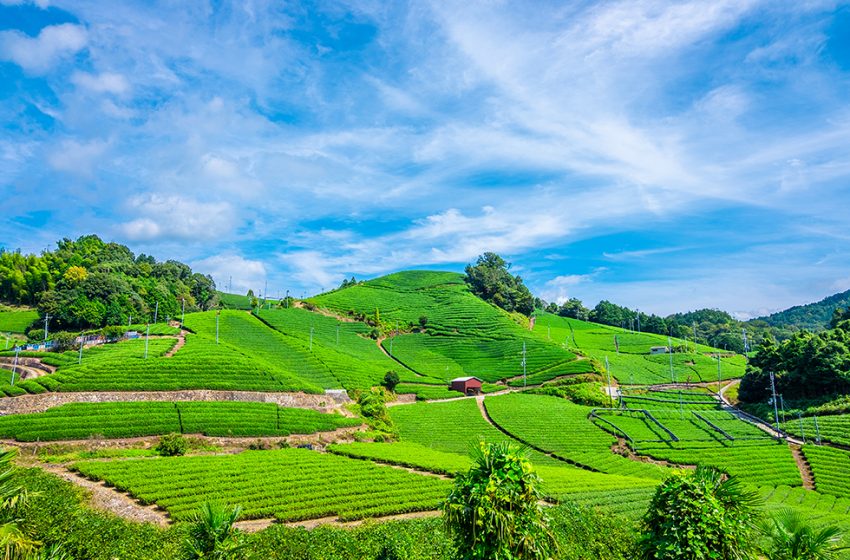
{"x":135,"y":419}
{"x":287,"y":484}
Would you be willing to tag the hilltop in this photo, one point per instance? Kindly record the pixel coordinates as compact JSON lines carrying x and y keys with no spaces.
{"x":811,"y":317}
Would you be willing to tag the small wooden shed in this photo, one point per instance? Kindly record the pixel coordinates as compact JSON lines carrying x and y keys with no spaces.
{"x":466,"y":385}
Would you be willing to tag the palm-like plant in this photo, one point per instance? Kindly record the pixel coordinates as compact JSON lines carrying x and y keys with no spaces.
{"x":791,"y":537}
{"x":213,"y":534}
{"x":14,"y":543}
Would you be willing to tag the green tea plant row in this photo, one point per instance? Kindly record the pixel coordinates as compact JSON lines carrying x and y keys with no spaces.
{"x":559,"y":482}
{"x":835,"y":429}
{"x":16,"y":321}
{"x":486,"y":358}
{"x":200,"y":364}
{"x":686,"y":424}
{"x":451,"y":427}
{"x":155,"y":329}
{"x":252,"y":337}
{"x":633,"y":364}
{"x":574,"y":367}
{"x":135,"y":419}
{"x":560,"y":427}
{"x":287,"y":484}
{"x":831,"y":468}
{"x":817,"y":507}
{"x":342,"y":346}
{"x":464,"y":335}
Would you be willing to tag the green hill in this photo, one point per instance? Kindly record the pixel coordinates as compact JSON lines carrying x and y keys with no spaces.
{"x":433,"y":324}
{"x":628,"y":352}
{"x":811,"y":317}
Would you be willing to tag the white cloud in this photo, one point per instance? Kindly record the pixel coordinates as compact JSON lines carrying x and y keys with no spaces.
{"x":38,"y":55}
{"x":560,"y":288}
{"x":175,"y":218}
{"x":107,"y":82}
{"x":77,"y":158}
{"x":233,"y":272}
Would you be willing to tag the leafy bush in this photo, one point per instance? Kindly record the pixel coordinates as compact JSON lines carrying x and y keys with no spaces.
{"x":172,"y":445}
{"x":699,"y":515}
{"x":493,"y":511}
{"x":391,"y":380}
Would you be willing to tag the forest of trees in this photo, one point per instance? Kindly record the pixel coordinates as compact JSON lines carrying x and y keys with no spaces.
{"x":89,"y":283}
{"x":807,"y":365}
{"x":490,"y":279}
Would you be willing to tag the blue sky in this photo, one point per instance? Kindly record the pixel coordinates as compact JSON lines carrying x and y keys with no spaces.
{"x":663,"y":155}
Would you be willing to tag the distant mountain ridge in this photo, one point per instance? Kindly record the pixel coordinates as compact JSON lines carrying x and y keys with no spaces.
{"x":812,"y":316}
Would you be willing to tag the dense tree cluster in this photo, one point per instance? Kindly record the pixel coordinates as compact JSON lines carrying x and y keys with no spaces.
{"x":490,"y":279}
{"x":90,"y":283}
{"x":808,"y":365}
{"x":811,"y":317}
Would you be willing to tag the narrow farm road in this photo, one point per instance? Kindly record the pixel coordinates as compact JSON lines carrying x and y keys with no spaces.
{"x":805,"y":468}
{"x":111,"y":500}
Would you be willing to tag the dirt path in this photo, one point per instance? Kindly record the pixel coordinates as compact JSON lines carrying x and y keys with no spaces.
{"x":805,"y":468}
{"x":44,"y":401}
{"x":111,"y":500}
{"x":622,"y":448}
{"x":340,"y":435}
{"x":181,"y":341}
{"x":334,"y":521}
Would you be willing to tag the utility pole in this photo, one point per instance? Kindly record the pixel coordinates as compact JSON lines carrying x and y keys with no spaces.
{"x":524,"y":376}
{"x":46,"y":325}
{"x":286,"y":301}
{"x":80,"y":358}
{"x":695,"y":337}
{"x":610,"y":390}
{"x":638,"y":320}
{"x":130,"y":322}
{"x":156,"y":313}
{"x":775,"y":404}
{"x":217,"y":315}
{"x":147,"y":338}
{"x":670,"y":348}
{"x":719,"y":374}
{"x":15,"y":365}
{"x":337,"y":334}
{"x":183,"y":314}
{"x":266,"y":293}
{"x":817,"y":428}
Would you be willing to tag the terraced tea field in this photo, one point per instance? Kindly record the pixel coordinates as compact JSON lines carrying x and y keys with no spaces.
{"x":835,"y":429}
{"x":200,"y":364}
{"x":17,"y":321}
{"x":463,"y":335}
{"x":287,"y":484}
{"x":831,"y":468}
{"x":135,"y":419}
{"x":628,"y":352}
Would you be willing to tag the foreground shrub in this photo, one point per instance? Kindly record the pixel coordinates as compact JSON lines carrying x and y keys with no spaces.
{"x":699,"y":515}
{"x":212,"y":534}
{"x":791,"y":537}
{"x":172,"y":445}
{"x":493,"y":511}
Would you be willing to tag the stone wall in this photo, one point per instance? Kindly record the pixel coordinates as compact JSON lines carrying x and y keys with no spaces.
{"x":39,"y":403}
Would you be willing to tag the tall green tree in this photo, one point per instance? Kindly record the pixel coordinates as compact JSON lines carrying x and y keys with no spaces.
{"x":490,"y":279}
{"x":493,"y":511}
